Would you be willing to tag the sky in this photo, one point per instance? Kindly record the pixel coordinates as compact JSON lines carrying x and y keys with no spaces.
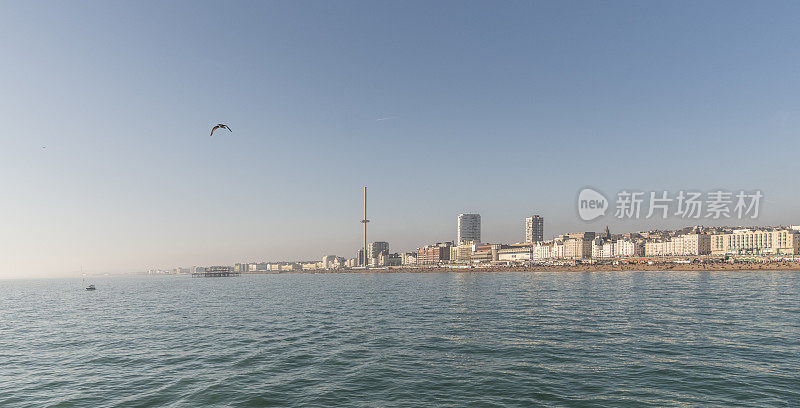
{"x":502,"y":108}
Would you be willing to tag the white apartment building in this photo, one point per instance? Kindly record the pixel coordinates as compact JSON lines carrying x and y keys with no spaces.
{"x":654,"y":248}
{"x":577,"y":249}
{"x":628,"y":248}
{"x":746,"y":241}
{"x":609,"y":250}
{"x":616,"y":249}
{"x":330,"y":262}
{"x":683,"y":245}
{"x":541,"y":252}
{"x":597,"y":248}
{"x":557,"y":250}
{"x":602,"y":249}
{"x":408,"y":258}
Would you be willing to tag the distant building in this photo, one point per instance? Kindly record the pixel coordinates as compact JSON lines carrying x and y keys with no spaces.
{"x":572,"y":246}
{"x":761,"y":241}
{"x":534,"y":228}
{"x":434,"y":254}
{"x":330,"y":262}
{"x":516,"y":252}
{"x":557,"y":249}
{"x":628,"y":248}
{"x":543,"y":251}
{"x":290,"y":267}
{"x":682,"y":245}
{"x":310,"y":266}
{"x":393,"y":260}
{"x":408,"y":258}
{"x":360,"y":257}
{"x":377,"y":252}
{"x":577,"y":248}
{"x":486,"y":253}
{"x":214,"y":271}
{"x":469,"y":228}
{"x":462,"y":253}
{"x":376,"y":248}
{"x":602,"y":248}
{"x":606,"y":248}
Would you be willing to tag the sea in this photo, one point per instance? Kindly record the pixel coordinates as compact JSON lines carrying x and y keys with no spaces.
{"x":500,"y":339}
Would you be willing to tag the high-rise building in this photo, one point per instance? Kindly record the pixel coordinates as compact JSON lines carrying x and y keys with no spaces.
{"x":469,"y":228}
{"x":360,"y":257}
{"x":377,"y":248}
{"x":534,"y":228}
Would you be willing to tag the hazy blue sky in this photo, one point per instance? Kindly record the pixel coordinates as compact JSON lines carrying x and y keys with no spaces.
{"x":502,"y":108}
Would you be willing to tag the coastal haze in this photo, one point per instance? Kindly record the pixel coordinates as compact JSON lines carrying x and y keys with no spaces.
{"x":440,"y":108}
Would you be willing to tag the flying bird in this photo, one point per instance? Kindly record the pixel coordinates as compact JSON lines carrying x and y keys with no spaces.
{"x":219,"y":125}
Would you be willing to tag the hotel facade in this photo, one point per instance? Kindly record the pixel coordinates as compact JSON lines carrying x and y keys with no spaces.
{"x":682,"y":245}
{"x":755,"y":242}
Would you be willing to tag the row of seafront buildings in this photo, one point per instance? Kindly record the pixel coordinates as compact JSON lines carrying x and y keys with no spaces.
{"x":683,"y":243}
{"x":469,"y":250}
{"x":770,"y":241}
{"x":328,"y":262}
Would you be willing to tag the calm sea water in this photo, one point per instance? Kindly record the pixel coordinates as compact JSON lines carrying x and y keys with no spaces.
{"x":374,"y":340}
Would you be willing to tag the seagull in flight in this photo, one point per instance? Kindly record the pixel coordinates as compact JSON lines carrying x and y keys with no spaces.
{"x":220,"y":125}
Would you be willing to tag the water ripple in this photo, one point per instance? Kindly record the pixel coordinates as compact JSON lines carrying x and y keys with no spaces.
{"x":366,"y":340}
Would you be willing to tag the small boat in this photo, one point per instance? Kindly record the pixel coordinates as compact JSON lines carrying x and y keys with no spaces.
{"x":90,"y":287}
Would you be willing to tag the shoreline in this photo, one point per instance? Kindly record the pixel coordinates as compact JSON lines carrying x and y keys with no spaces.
{"x":656,"y":267}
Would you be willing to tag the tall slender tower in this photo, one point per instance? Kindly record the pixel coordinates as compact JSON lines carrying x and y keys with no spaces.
{"x":365,"y":221}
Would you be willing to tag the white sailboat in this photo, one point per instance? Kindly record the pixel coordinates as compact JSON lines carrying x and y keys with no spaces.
{"x":90,"y":287}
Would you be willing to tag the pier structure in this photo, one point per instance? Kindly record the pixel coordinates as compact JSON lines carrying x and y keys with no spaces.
{"x":215,"y":272}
